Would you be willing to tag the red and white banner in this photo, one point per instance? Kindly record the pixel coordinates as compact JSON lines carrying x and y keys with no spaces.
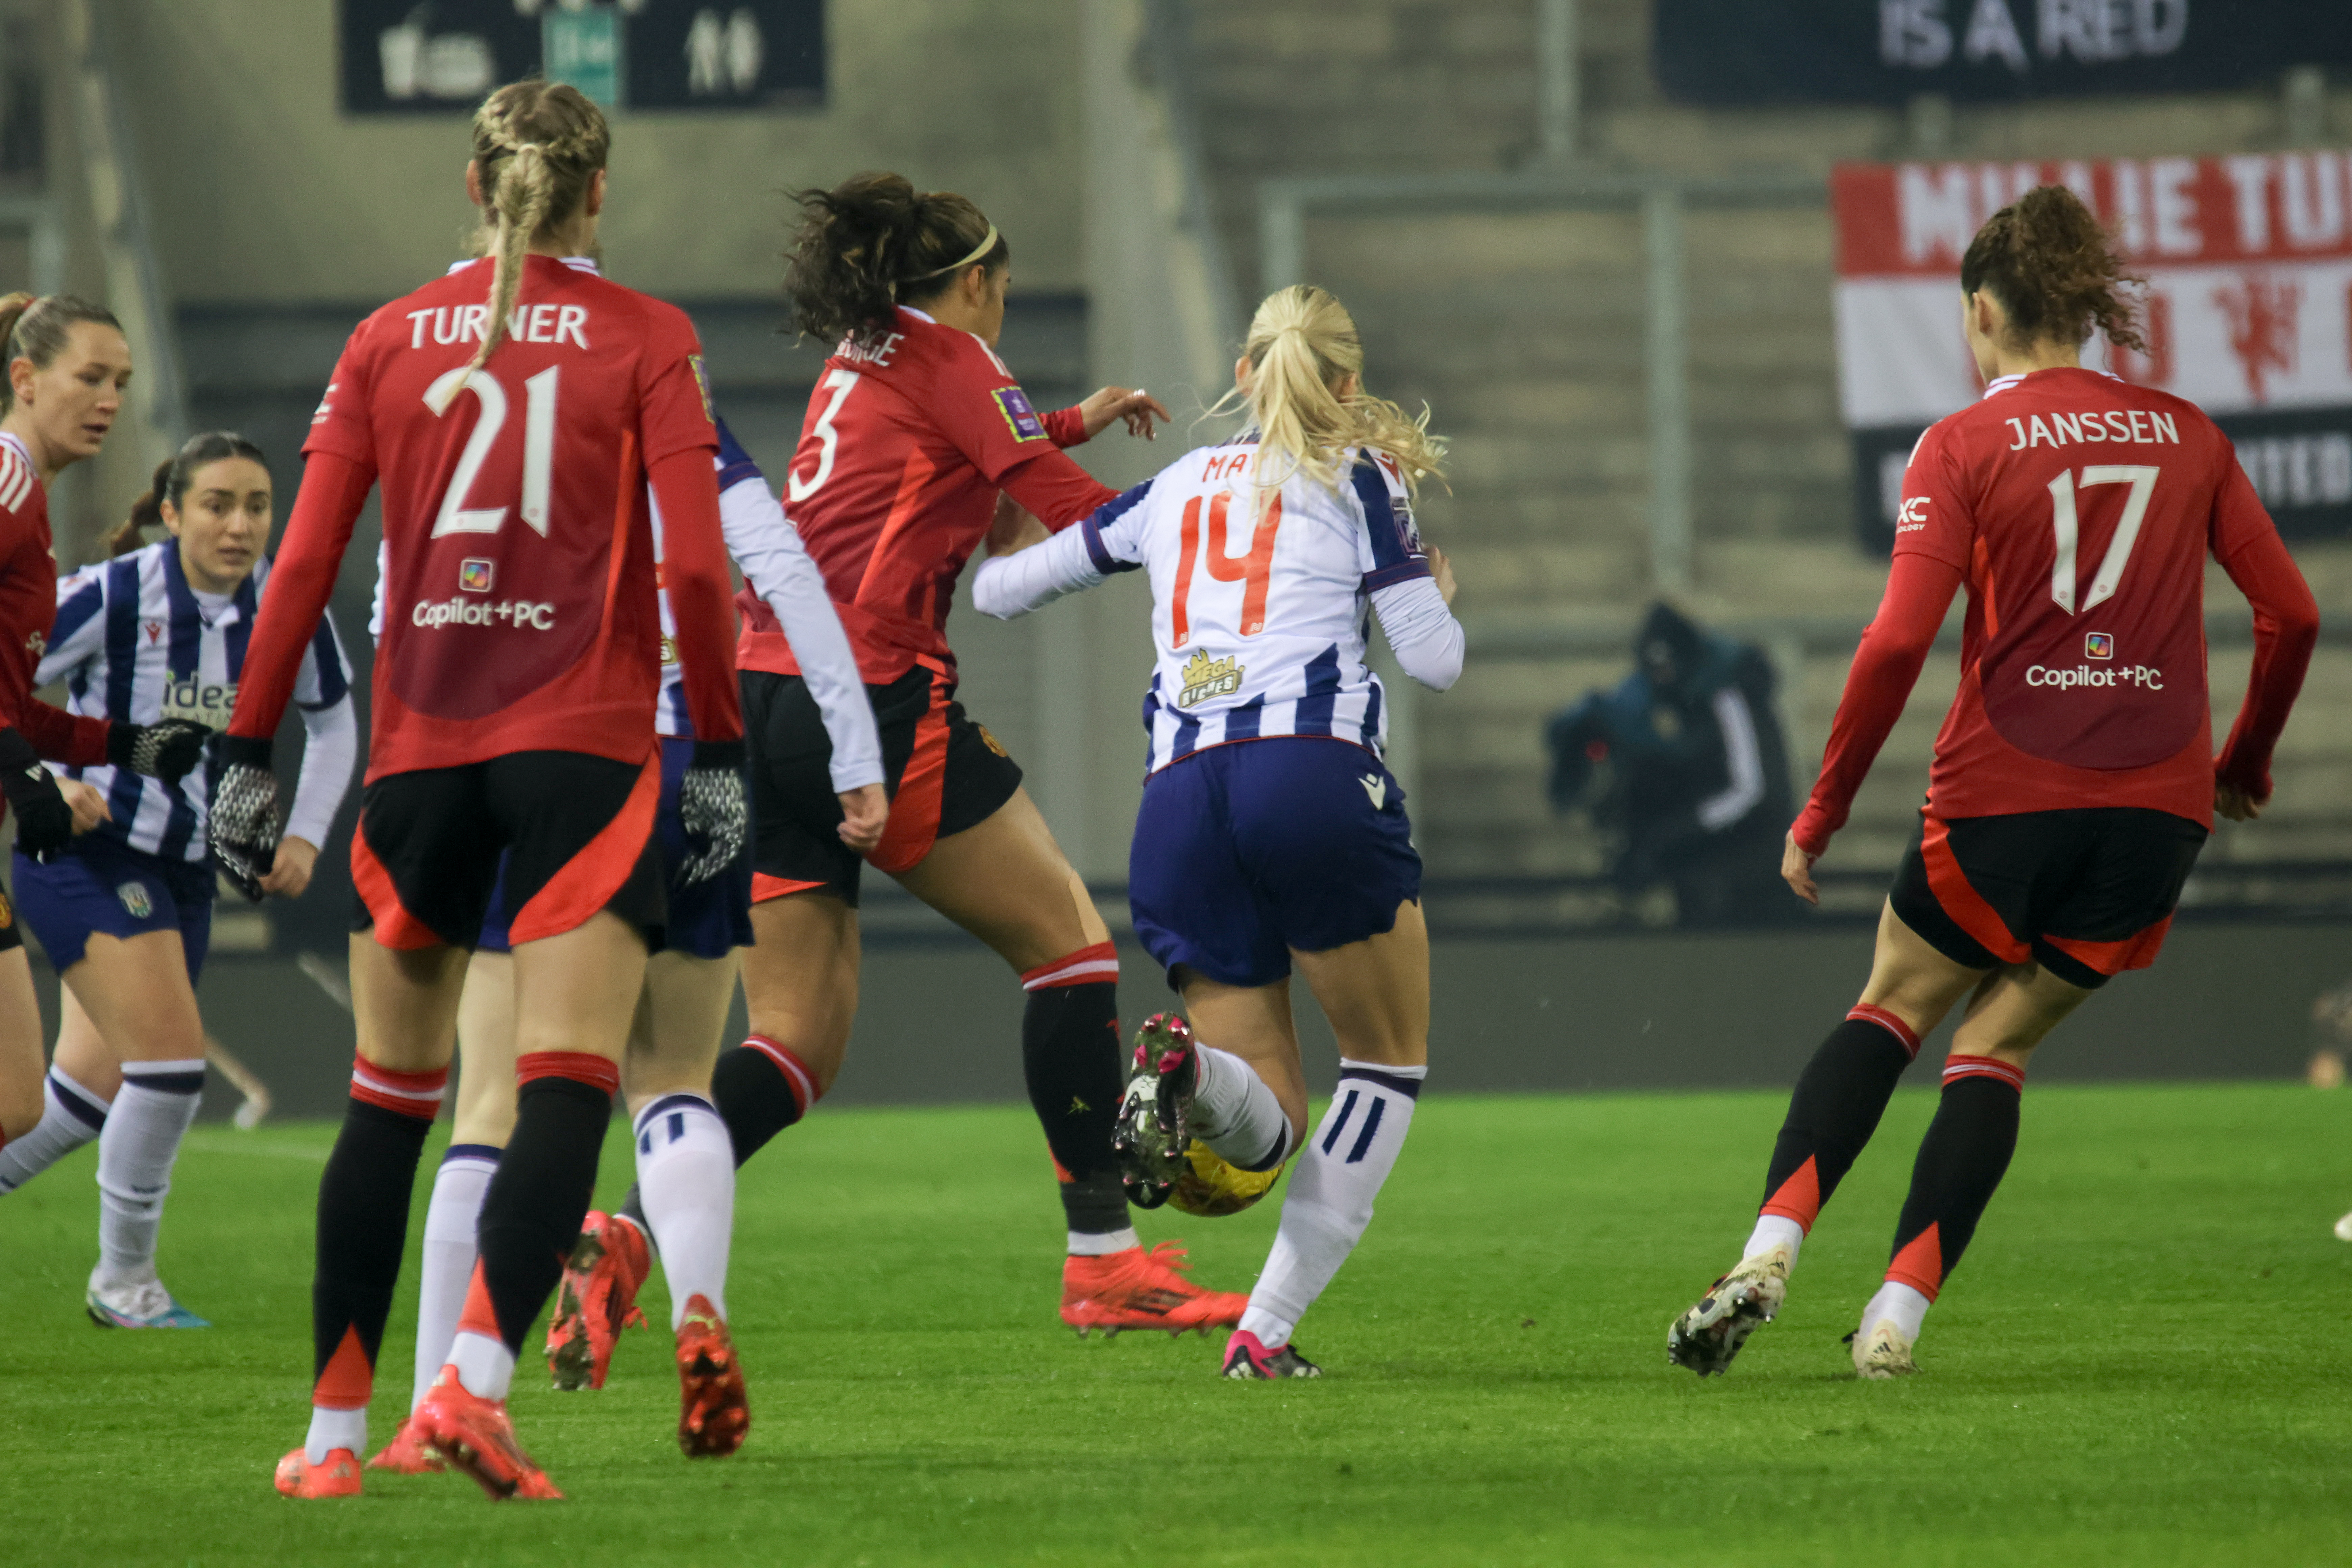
{"x":2247,"y":308}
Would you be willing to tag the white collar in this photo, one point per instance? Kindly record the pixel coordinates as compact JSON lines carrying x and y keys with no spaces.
{"x":2003,"y":383}
{"x":17,"y":443}
{"x":921,"y":315}
{"x":577,"y":263}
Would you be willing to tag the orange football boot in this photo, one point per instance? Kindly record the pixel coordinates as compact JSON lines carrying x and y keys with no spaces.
{"x":474,"y":1436}
{"x":597,"y":1300}
{"x":339,"y":1476}
{"x":1139,"y":1289}
{"x":714,"y":1415}
{"x":407,"y":1454}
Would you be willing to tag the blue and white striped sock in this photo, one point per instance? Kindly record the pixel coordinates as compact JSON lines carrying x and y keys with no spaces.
{"x":685,"y":1179}
{"x":1338,"y":1174}
{"x":70,"y":1117}
{"x":135,"y":1153}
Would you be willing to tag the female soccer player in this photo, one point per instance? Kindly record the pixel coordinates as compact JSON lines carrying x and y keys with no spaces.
{"x":158,"y":633}
{"x":1264,"y":555}
{"x":914,"y":429}
{"x":66,"y":364}
{"x":686,"y":1166}
{"x":2074,"y":781}
{"x":516,"y":411}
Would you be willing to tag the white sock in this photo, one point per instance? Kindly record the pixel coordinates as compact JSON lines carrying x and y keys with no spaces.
{"x":1904,"y":1306}
{"x":70,"y":1117}
{"x":332,"y":1430}
{"x":1236,"y":1114}
{"x":450,"y":1222}
{"x":136,"y":1151}
{"x":686,"y":1179}
{"x":1347,"y":1158}
{"x":1102,"y":1243}
{"x":1775,"y":1230}
{"x":485,"y":1366}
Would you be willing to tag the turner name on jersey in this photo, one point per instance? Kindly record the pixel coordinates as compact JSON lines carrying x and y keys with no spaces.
{"x":1263,"y":597}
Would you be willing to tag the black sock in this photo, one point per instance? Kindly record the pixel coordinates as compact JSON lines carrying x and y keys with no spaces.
{"x":755,"y":1098}
{"x":363,"y":1229}
{"x":1839,"y":1099}
{"x":532,"y":1214}
{"x":1961,"y":1161}
{"x":1069,"y":1057}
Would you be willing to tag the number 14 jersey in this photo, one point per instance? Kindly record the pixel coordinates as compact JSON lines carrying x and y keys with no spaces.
{"x":2079,"y":510}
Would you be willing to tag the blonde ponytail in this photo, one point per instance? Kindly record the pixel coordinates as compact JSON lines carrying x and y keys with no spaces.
{"x":537,"y":147}
{"x":1302,"y":344}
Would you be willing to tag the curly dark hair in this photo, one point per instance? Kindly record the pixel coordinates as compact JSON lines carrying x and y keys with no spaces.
{"x":873,"y":243}
{"x":2054,"y":269}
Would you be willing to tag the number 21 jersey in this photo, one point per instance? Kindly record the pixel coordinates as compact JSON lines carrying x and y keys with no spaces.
{"x":2079,"y":510}
{"x":518,"y":587}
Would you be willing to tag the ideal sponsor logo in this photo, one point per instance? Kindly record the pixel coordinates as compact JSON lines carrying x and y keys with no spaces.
{"x":1205,"y":678}
{"x":516,"y":613}
{"x":2083,"y":676}
{"x":200,"y":703}
{"x":473,"y":575}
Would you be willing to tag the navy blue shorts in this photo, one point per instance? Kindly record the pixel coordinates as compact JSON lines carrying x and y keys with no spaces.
{"x":1246,"y":851}
{"x":101,"y":885}
{"x":708,"y":919}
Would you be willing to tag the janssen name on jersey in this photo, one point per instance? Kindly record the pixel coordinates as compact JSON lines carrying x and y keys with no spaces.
{"x":134,"y":643}
{"x":1262,"y":597}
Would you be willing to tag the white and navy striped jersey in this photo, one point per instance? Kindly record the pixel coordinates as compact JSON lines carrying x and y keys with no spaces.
{"x":136,"y":644}
{"x":1262,"y":599}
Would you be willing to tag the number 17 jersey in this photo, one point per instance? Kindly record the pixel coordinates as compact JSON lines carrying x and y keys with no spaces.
{"x":520,"y":609}
{"x":2079,"y":511}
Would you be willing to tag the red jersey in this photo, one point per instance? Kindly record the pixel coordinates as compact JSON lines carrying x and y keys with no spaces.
{"x":28,"y":603}
{"x":2078,"y":510}
{"x":907,"y":442}
{"x":519,"y":580}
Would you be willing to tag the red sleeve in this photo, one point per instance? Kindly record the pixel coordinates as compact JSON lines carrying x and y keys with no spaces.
{"x":673,"y":404}
{"x":340,"y":424}
{"x":1935,"y":520}
{"x":2286,"y":627}
{"x":1919,"y":589}
{"x":1067,"y":427}
{"x":694,"y":570}
{"x":334,"y":489}
{"x":974,"y":402}
{"x":1056,"y":490}
{"x":62,"y":737}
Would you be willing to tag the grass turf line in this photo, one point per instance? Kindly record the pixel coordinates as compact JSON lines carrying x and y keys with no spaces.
{"x":2139,"y":1360}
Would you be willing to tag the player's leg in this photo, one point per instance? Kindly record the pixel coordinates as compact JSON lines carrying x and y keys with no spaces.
{"x":1938,"y":939}
{"x":21,"y":1094}
{"x":685,"y":1182}
{"x":81,"y":1083}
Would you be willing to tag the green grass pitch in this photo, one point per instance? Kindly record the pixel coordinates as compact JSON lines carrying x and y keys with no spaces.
{"x":2143,"y":1361}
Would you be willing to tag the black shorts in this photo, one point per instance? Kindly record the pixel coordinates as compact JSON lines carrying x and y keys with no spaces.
{"x":944,"y":772}
{"x":2087,"y":894}
{"x":577,"y":833}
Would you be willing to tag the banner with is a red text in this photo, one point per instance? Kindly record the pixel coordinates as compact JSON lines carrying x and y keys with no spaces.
{"x":2247,"y":309}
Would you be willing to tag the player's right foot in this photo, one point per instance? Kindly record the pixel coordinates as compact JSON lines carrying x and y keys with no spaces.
{"x":1155,"y":1112}
{"x":145,"y":1305}
{"x":597,"y":1300}
{"x":714,"y":1414}
{"x":407,"y":1454}
{"x":338,"y":1476}
{"x":1248,"y":1358}
{"x":2344,"y":1228}
{"x":1137,"y":1289}
{"x":1881,"y":1352}
{"x":1707,"y":1337}
{"x":474,"y":1436}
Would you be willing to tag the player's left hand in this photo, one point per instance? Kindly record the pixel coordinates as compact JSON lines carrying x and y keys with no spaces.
{"x":865,"y":812}
{"x":1797,"y":870}
{"x":1441,"y":570}
{"x":2231,"y":801}
{"x":1138,"y":408}
{"x":290,"y":874}
{"x":713,"y":808}
{"x":244,"y":821}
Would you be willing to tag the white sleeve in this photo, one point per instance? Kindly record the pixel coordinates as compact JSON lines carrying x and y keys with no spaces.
{"x":330,"y":745}
{"x":1741,"y":760}
{"x":79,"y":633}
{"x":375,"y":600}
{"x":1081,"y":556}
{"x":768,"y":548}
{"x":1422,"y":632}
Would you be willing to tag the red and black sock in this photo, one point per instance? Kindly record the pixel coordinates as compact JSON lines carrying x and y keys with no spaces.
{"x":1838,"y":1101}
{"x":531,"y":1213}
{"x":761,"y":1087}
{"x":1961,"y":1161}
{"x":1070,"y":1060}
{"x":363,"y":1224}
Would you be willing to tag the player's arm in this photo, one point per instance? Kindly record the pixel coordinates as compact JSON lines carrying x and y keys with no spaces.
{"x":2286,"y":629}
{"x":1410,"y":593}
{"x":330,"y":749}
{"x":1107,"y":541}
{"x":75,"y":636}
{"x":768,"y":548}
